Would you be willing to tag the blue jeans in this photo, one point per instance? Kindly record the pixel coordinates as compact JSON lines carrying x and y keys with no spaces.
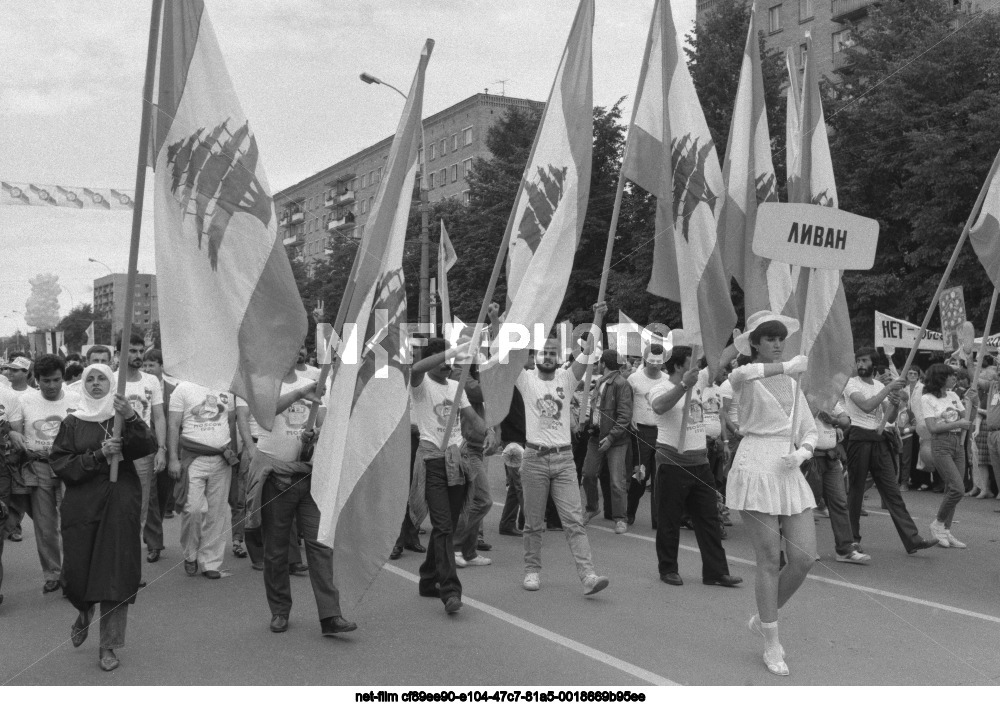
{"x":615,"y":457}
{"x":553,"y":473}
{"x":949,"y":461}
{"x":471,"y":520}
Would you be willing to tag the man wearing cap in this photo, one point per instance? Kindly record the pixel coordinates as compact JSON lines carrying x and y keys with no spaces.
{"x":610,"y":418}
{"x":642,"y":381}
{"x":684,"y":481}
{"x":16,"y":371}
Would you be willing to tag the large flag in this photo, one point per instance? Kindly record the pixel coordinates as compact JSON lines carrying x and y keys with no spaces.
{"x":90,"y":335}
{"x":793,"y":126}
{"x":363,"y":453}
{"x":985,"y":234}
{"x":670,"y":154}
{"x":446,"y":260}
{"x":230,"y":314}
{"x":544,"y":227}
{"x":749,"y":177}
{"x":826,"y":325}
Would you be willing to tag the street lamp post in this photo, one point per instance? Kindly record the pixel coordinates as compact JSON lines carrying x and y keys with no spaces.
{"x":104,"y":264}
{"x":425,"y":236}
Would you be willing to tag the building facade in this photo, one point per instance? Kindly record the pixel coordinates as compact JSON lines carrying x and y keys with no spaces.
{"x":786,"y":22}
{"x":109,"y":299}
{"x":339,"y":198}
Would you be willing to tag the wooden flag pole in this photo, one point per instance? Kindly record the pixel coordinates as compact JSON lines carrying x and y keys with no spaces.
{"x":686,"y":411}
{"x":979,"y":360}
{"x":947,"y":273}
{"x":140,"y":188}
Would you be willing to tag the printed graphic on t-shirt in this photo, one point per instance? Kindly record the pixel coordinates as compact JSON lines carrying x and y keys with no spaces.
{"x":712,"y":406}
{"x":141,"y":403}
{"x":46,"y":429}
{"x":696,"y":413}
{"x":295,"y":417}
{"x":949,"y":415}
{"x":550,"y":410}
{"x":211,"y":408}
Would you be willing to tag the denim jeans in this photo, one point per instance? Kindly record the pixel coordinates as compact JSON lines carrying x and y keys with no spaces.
{"x":161,"y":489}
{"x":471,"y":520}
{"x":949,"y":461}
{"x":828,"y":474}
{"x":514,"y":503}
{"x":444,"y":506}
{"x":615,"y":457}
{"x":238,"y":498}
{"x":553,"y":473}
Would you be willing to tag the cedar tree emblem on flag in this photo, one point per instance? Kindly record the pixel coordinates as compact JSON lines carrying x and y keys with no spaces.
{"x":544,"y":195}
{"x":690,"y":185}
{"x":765,"y":187}
{"x":219,"y":172}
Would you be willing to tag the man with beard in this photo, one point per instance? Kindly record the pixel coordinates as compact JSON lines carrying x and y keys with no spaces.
{"x":868,"y":403}
{"x":547,"y":465}
{"x":642,"y":382}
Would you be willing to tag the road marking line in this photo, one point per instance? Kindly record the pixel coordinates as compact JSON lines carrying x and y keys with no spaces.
{"x":835,"y":582}
{"x":556,"y":638}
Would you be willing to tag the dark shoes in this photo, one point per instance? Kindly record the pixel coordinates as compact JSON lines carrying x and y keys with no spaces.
{"x":15,"y":536}
{"x":142,"y":583}
{"x":335,"y":625}
{"x":108,"y":660}
{"x":922,"y":544}
{"x":51,"y":587}
{"x":453,"y":605}
{"x":79,"y":629}
{"x":483,"y":546}
{"x":673,"y":579}
{"x":415,"y":547}
{"x":724,"y":580}
{"x":153,"y":556}
{"x":279,"y":623}
{"x":239,"y":550}
{"x":397,"y":551}
{"x":511,"y":532}
{"x":190,"y":568}
{"x":298,"y":569}
{"x":211,"y":574}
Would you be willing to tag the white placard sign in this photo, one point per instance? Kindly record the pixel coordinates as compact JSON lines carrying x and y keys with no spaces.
{"x":815,"y":236}
{"x":891,"y":332}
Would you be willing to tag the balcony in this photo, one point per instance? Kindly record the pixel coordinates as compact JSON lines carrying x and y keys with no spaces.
{"x":841,"y":61}
{"x":298,"y":217}
{"x":284,"y":220}
{"x":341,"y":224}
{"x":345,"y":198}
{"x":292,"y":240}
{"x":849,"y":10}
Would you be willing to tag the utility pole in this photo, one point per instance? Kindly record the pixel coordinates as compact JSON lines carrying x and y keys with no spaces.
{"x":425,"y":248}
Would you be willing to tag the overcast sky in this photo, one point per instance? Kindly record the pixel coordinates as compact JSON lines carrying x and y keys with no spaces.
{"x":71,"y":86}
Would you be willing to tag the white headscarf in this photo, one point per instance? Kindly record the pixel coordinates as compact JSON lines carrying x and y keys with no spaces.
{"x":94,"y":410}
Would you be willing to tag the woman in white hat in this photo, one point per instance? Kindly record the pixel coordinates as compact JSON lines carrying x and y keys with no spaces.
{"x":765,"y":483}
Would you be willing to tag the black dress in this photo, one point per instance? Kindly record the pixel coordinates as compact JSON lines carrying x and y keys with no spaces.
{"x":100,"y":519}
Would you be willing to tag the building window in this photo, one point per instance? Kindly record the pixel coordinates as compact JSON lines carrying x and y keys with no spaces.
{"x":467,"y":136}
{"x":420,"y":155}
{"x":444,"y":147}
{"x":465,"y":197}
{"x":371,"y":178}
{"x":806,"y":11}
{"x":842,"y":40}
{"x":354,"y":184}
{"x":364,"y":206}
{"x":433,"y":151}
{"x":454,"y":142}
{"x":362,"y":181}
{"x":466,"y":168}
{"x":430,"y":180}
{"x":454,"y":173}
{"x":443,"y":174}
{"x":380,"y":175}
{"x":774,"y":19}
{"x":803,"y":53}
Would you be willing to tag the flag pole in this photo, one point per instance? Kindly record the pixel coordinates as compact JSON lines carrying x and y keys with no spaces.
{"x":947,"y":273}
{"x":979,"y":360}
{"x":140,"y":188}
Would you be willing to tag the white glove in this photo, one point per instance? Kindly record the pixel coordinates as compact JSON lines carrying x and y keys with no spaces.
{"x":796,"y":365}
{"x":795,"y":459}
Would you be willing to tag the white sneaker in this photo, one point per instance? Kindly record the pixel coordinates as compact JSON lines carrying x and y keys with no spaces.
{"x":478,"y":561}
{"x":854,"y":557}
{"x":954,"y":542}
{"x":595,"y":583}
{"x":531,"y":582}
{"x":460,"y":561}
{"x":621,"y":527}
{"x":940,"y":533}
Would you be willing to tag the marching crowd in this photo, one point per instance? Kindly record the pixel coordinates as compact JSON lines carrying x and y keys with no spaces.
{"x":702,"y":445}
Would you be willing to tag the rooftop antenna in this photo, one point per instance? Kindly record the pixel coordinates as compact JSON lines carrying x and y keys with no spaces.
{"x":503,"y":85}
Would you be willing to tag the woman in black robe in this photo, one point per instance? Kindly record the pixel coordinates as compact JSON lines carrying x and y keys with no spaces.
{"x":100,"y":519}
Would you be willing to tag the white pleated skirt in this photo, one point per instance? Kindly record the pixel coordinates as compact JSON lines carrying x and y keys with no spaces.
{"x":759,"y":480}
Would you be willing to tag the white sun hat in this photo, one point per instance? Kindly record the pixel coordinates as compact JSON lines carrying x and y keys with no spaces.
{"x":755,"y":321}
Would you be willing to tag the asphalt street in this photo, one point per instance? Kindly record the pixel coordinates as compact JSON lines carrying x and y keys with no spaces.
{"x":929,"y":619}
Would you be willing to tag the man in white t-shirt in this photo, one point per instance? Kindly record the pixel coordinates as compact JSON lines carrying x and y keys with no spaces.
{"x":642,"y":382}
{"x":201,"y":441}
{"x":41,"y":414}
{"x":869,"y":404}
{"x":303,"y":369}
{"x":145,"y":394}
{"x":684,"y":480}
{"x":15,"y":374}
{"x":547,"y":465}
{"x":432,"y":395}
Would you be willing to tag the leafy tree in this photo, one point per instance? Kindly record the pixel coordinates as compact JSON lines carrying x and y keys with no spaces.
{"x":74,"y":327}
{"x":913,"y":136}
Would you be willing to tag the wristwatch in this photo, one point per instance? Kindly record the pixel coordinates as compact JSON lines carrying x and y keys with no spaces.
{"x":684,"y":386}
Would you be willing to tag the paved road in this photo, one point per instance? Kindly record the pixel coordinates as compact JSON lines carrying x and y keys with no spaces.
{"x":928,"y":619}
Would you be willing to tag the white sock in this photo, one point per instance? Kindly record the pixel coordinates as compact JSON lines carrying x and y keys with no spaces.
{"x":770,"y":634}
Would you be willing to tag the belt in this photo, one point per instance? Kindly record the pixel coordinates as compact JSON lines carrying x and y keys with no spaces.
{"x":829,"y":453}
{"x":546,"y":450}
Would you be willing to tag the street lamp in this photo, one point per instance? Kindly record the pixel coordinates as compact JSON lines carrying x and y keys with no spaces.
{"x":425,"y":237}
{"x":104,"y":264}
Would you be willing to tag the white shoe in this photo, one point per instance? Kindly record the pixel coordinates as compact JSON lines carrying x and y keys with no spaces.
{"x":940,"y":533}
{"x":854,"y":557}
{"x":621,"y":527}
{"x":595,"y":583}
{"x":478,"y":561}
{"x":460,"y":561}
{"x":954,"y":542}
{"x":531,"y":582}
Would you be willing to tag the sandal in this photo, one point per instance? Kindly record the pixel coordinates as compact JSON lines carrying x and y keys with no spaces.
{"x":239,"y":551}
{"x":774,"y":659}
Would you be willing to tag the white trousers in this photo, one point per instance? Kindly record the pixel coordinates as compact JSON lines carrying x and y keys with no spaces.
{"x":205,"y":518}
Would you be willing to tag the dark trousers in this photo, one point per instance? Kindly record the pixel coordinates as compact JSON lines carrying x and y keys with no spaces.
{"x":829,"y":475}
{"x":408,"y":532}
{"x":444,"y":505}
{"x":280,"y":505}
{"x":874,"y":456}
{"x":908,"y":458}
{"x":513,"y":514}
{"x":690,"y":489}
{"x":161,"y":488}
{"x":644,"y":453}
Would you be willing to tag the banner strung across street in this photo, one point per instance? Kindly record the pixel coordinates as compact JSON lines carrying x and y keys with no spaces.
{"x":22,"y":194}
